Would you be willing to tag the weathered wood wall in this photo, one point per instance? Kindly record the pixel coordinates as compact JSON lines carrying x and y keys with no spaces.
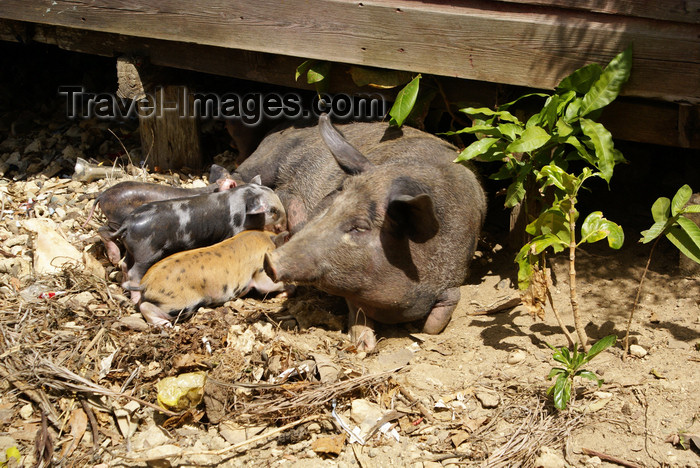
{"x":516,"y":42}
{"x":532,"y":43}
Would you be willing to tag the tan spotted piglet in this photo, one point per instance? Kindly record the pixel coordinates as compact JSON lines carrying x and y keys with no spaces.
{"x":175,"y":287}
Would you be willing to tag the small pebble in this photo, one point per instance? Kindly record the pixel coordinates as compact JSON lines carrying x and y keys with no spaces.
{"x":516,"y":356}
{"x":26,"y":411}
{"x":638,"y":351}
{"x":488,"y":399}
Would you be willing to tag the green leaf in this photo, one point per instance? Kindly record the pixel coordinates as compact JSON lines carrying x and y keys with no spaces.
{"x":525,"y":266}
{"x":303,"y":68}
{"x":653,"y":232}
{"x":581,"y":150}
{"x":586,"y":374}
{"x":508,"y":104}
{"x":608,"y":85}
{"x":604,"y":148}
{"x":510,"y":131}
{"x":572,"y":110}
{"x":661,"y":209}
{"x":477,"y":148}
{"x":404,"y":103}
{"x":531,"y":139}
{"x":582,"y":79}
{"x":562,"y":392}
{"x":555,"y":175}
{"x":600,"y":346}
{"x":540,"y":243}
{"x":516,"y":190}
{"x":318,"y":71}
{"x":550,"y":221}
{"x":379,"y":77}
{"x":555,"y":371}
{"x":563,"y":128}
{"x":681,"y":197}
{"x":486,"y":112}
{"x":596,"y":228}
{"x":692,"y":209}
{"x":686,"y":237}
{"x":485,"y":129}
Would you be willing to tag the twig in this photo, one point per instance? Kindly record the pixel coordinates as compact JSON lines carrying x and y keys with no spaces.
{"x":610,"y":458}
{"x":223,"y":451}
{"x":37,"y":396}
{"x":569,"y":338}
{"x":414,"y":401}
{"x":499,"y":306}
{"x":93,"y":423}
{"x":645,"y":404}
{"x":636,"y":298}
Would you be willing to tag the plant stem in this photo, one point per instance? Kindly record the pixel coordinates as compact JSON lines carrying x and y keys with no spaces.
{"x":636,"y":299}
{"x":572,"y":277}
{"x":551,"y":303}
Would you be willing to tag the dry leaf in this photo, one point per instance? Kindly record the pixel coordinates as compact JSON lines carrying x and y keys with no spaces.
{"x":78,"y":425}
{"x":329,"y":445}
{"x":535,"y":297}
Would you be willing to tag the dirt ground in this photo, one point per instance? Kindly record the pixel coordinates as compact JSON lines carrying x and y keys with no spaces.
{"x":80,"y":369}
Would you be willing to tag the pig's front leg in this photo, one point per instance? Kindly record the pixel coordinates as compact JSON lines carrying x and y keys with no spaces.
{"x":361,"y":329}
{"x":441,"y":313}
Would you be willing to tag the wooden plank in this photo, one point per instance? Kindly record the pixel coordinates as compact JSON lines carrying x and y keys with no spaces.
{"x":684,"y":11}
{"x":478,"y":39}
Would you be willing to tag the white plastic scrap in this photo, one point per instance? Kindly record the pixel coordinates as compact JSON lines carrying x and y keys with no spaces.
{"x":353,"y":436}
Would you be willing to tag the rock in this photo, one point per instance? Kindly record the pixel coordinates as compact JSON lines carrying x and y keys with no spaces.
{"x":637,"y":351}
{"x":162,"y":452}
{"x":594,"y":462}
{"x":132,"y":322}
{"x":549,"y":458}
{"x":26,"y":411}
{"x":516,"y":356}
{"x":33,"y":147}
{"x":154,"y":436}
{"x":488,"y":399}
{"x":432,"y":464}
{"x":363,"y":410}
{"x":51,"y":250}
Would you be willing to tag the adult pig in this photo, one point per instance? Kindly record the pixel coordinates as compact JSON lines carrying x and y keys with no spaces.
{"x":175,"y":287}
{"x":158,"y":229}
{"x":390,"y":223}
{"x":119,"y":200}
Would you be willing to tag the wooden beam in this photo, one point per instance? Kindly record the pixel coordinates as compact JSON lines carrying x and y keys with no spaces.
{"x":684,"y":11}
{"x":474,"y":39}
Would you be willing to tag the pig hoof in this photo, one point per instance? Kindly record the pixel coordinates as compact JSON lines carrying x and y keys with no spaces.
{"x":363,"y":338}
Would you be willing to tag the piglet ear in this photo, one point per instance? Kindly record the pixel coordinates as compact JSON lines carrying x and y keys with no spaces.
{"x":256,"y":180}
{"x":255,"y":205}
{"x":226,"y":183}
{"x":410,"y":211}
{"x":280,"y":238}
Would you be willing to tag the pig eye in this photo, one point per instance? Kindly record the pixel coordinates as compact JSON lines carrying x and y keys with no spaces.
{"x":358,"y":227}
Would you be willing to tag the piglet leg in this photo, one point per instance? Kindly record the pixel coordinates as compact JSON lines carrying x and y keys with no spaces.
{"x":441,"y":313}
{"x":154,"y":315}
{"x":112,"y":249}
{"x":361,"y":329}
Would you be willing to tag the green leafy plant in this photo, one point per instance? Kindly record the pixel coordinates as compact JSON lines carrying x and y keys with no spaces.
{"x":536,"y":156}
{"x":669,"y":221}
{"x":573,"y":362}
{"x":317,"y":72}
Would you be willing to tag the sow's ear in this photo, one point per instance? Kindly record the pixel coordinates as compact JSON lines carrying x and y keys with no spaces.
{"x":347,"y":156}
{"x":279,"y":239}
{"x":256,"y":180}
{"x":410,"y":210}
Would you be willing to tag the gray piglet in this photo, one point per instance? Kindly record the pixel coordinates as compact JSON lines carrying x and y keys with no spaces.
{"x":175,"y":287}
